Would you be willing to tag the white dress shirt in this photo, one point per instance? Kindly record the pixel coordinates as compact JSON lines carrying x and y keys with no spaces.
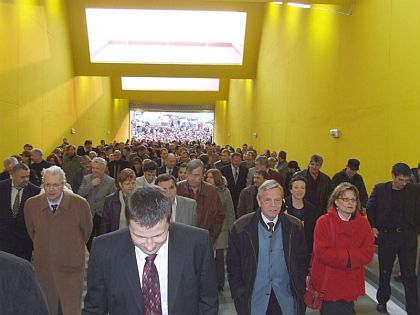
{"x":266,"y":220}
{"x":161,"y":263}
{"x":173,"y":216}
{"x":15,"y":191}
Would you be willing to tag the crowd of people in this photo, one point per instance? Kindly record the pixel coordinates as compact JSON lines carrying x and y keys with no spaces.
{"x":136,"y":206}
{"x":166,"y":125}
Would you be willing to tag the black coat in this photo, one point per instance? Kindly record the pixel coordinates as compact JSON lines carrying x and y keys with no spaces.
{"x":120,"y":163}
{"x":379,"y":205}
{"x":308,"y":216}
{"x":14,"y":238}
{"x":235,"y":189}
{"x":242,"y":257}
{"x":111,"y":214}
{"x":162,"y":170}
{"x":356,"y":180}
{"x":20,"y":293}
{"x":319,"y":192}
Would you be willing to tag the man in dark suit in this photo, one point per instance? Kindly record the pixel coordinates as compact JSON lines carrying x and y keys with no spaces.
{"x":170,"y":167}
{"x":20,"y":293}
{"x":14,"y":192}
{"x":140,"y":270}
{"x":236,"y":175}
{"x":117,"y":165}
{"x":393,"y":211}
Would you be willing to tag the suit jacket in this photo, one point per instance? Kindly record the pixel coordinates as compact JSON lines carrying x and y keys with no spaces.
{"x":379,"y":206}
{"x":186,"y":211}
{"x":113,"y":284}
{"x":162,"y":170}
{"x":235,"y":188}
{"x":96,"y":195}
{"x":113,"y":164}
{"x":247,"y":201}
{"x":17,"y":279}
{"x":14,"y":238}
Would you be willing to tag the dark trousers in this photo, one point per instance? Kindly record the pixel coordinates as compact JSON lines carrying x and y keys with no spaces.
{"x":403,"y":245}
{"x":273,"y":305}
{"x":96,"y":231}
{"x":220,"y":268}
{"x":337,"y":307}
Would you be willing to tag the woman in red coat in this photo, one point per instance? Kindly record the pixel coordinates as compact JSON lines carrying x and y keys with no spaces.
{"x":343,"y":245}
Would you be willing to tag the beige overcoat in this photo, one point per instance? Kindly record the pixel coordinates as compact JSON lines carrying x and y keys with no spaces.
{"x":59,"y":248}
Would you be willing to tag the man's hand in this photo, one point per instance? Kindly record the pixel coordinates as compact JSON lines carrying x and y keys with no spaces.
{"x":375,"y":232}
{"x":96,"y":181}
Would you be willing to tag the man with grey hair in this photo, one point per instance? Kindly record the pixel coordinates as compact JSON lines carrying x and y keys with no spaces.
{"x":59,"y":223}
{"x":8,"y":164}
{"x":210,"y":213}
{"x":95,"y":187}
{"x":267,"y":259}
{"x":154,"y":266}
{"x":261,"y":163}
{"x":319,"y":186}
{"x":14,"y":192}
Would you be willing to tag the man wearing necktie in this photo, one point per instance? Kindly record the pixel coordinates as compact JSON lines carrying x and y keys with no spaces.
{"x":14,"y":192}
{"x":170,"y":167}
{"x":153,"y":267}
{"x":59,"y":222}
{"x":266,"y":258}
{"x":236,"y":175}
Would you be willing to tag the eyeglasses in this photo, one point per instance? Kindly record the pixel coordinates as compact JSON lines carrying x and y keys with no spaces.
{"x":53,"y":186}
{"x":348,"y":199}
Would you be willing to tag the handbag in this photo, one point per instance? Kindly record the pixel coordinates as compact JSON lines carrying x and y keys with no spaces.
{"x":312,"y":297}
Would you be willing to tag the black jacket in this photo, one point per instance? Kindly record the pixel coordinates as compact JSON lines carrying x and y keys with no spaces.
{"x":242,"y":258}
{"x":20,"y":293}
{"x":319,"y":192}
{"x":14,"y":238}
{"x":356,"y":180}
{"x":379,"y":205}
{"x":235,"y":188}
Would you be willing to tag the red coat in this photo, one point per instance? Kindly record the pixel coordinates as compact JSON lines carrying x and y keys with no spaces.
{"x":352,"y":239}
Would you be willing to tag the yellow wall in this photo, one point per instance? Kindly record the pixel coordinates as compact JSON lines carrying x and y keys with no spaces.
{"x":40,"y":99}
{"x":319,"y":70}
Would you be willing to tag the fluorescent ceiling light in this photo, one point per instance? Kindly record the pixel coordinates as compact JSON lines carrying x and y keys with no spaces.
{"x":299,"y":5}
{"x":166,"y":36}
{"x":169,"y":84}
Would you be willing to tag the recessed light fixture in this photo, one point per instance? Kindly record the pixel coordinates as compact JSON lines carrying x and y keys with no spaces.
{"x":299,"y":5}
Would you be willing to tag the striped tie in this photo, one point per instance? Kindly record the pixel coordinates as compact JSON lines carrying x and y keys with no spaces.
{"x":151,"y":287}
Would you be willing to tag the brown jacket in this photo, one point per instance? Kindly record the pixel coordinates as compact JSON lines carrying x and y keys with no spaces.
{"x":59,"y":248}
{"x":210,"y":214}
{"x":247,"y":201}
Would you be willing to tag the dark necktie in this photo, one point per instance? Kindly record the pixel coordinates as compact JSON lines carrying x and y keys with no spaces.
{"x":16,"y":204}
{"x":151,"y":287}
{"x":236,"y":175}
{"x":54,"y":208}
{"x":270,"y":227}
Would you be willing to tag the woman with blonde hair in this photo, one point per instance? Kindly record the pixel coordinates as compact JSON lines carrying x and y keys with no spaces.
{"x":214,"y":177}
{"x":343,"y":246}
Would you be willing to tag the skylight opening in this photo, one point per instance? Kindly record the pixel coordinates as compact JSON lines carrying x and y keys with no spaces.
{"x":169,"y":84}
{"x":166,"y":36}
